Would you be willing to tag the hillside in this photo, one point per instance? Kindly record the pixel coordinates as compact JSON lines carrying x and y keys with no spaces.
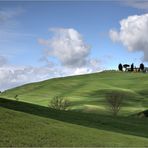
{"x":28,"y":121}
{"x":24,"y":124}
{"x":87,"y":92}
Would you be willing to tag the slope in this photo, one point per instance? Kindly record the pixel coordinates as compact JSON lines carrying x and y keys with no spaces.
{"x":24,"y":124}
{"x":87,"y":92}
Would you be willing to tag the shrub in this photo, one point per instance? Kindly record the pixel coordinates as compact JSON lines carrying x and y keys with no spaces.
{"x":16,"y":97}
{"x":59,"y":103}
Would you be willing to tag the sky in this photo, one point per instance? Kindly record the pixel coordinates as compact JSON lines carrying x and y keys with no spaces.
{"x":46,"y":39}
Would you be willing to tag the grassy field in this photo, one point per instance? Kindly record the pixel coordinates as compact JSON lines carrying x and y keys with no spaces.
{"x":87,"y":92}
{"x":24,"y":124}
{"x":87,"y":122}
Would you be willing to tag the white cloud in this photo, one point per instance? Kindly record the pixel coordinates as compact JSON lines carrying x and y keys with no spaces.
{"x":114,"y":35}
{"x":12,"y":75}
{"x":133,"y":34}
{"x":68,"y":46}
{"x":3,"y":61}
{"x":8,"y":17}
{"x":9,"y":25}
{"x":136,"y":4}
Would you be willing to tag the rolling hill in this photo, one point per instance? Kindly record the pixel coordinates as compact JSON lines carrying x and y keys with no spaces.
{"x":30,"y":125}
{"x":28,"y":121}
{"x":87,"y":92}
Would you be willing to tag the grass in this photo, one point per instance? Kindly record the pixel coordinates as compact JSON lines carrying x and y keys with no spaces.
{"x":27,"y":121}
{"x":87,"y":92}
{"x":25,"y":124}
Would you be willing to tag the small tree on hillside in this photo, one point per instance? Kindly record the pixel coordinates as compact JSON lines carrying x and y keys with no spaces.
{"x":142,"y":67}
{"x":114,"y":100}
{"x":16,"y":97}
{"x":120,"y":67}
{"x":59,"y":103}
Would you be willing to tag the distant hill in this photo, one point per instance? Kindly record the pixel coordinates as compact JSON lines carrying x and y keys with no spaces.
{"x":87,"y":92}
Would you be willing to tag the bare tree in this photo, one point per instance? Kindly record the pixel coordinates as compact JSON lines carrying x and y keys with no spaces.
{"x":114,"y":100}
{"x":59,"y":103}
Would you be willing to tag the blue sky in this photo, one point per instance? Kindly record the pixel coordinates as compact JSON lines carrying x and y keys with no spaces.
{"x":45,"y":39}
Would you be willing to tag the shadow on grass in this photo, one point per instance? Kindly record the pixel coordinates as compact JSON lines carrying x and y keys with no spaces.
{"x":102,"y":93}
{"x":125,"y":125}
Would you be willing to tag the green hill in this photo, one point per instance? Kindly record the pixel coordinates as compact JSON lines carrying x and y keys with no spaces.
{"x":24,"y":124}
{"x":87,"y":92}
{"x":28,"y":121}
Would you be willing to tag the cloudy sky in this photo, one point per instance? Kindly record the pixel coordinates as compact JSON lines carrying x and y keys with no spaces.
{"x":41,"y":40}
